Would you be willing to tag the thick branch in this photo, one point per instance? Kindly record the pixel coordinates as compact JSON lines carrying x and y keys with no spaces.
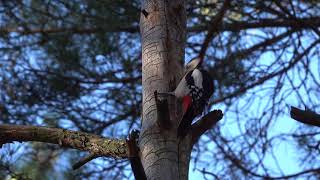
{"x":94,"y":144}
{"x":205,"y":123}
{"x":305,"y":116}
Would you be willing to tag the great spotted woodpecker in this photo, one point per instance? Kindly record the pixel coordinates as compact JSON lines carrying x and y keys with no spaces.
{"x":195,"y":90}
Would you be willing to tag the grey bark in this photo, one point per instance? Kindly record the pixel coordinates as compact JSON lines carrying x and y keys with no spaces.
{"x":163,"y":34}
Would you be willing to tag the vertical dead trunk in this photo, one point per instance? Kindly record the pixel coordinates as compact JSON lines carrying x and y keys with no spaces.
{"x":163,"y":33}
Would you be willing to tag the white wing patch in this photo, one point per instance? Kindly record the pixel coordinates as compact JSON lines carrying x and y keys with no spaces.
{"x":182,"y":90}
{"x":197,"y":77}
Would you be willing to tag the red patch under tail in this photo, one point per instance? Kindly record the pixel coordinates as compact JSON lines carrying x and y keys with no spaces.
{"x":186,"y":102}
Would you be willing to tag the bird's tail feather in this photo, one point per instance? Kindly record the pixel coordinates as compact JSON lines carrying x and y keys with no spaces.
{"x":185,"y":124}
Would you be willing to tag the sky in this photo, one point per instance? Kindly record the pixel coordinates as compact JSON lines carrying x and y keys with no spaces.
{"x":286,"y":152}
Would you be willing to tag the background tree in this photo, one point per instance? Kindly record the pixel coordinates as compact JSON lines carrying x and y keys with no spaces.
{"x":77,"y":65}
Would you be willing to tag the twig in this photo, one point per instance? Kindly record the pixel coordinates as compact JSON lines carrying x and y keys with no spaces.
{"x":84,"y":161}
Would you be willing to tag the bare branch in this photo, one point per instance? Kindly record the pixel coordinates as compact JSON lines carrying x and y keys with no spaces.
{"x":94,"y":144}
{"x":214,"y":27}
{"x":205,"y":123}
{"x":293,"y":16}
{"x":259,"y":46}
{"x":238,"y":163}
{"x":305,"y":116}
{"x":263,"y":79}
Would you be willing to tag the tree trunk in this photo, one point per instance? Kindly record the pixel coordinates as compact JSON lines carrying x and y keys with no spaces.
{"x":163,"y":33}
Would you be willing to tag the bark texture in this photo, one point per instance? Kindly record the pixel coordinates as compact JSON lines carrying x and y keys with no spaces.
{"x":163,"y":31}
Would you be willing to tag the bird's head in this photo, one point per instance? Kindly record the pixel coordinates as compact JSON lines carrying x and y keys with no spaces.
{"x":193,"y":64}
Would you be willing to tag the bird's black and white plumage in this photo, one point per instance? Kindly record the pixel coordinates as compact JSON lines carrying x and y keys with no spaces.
{"x":200,"y":85}
{"x":195,"y":90}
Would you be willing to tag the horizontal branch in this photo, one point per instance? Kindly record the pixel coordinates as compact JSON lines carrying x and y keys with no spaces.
{"x":301,"y":23}
{"x":91,"y":143}
{"x":225,"y":26}
{"x":305,"y":116}
{"x":75,"y":30}
{"x":205,"y":123}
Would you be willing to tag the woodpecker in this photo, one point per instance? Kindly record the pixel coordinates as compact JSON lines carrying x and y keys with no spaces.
{"x":195,"y":90}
